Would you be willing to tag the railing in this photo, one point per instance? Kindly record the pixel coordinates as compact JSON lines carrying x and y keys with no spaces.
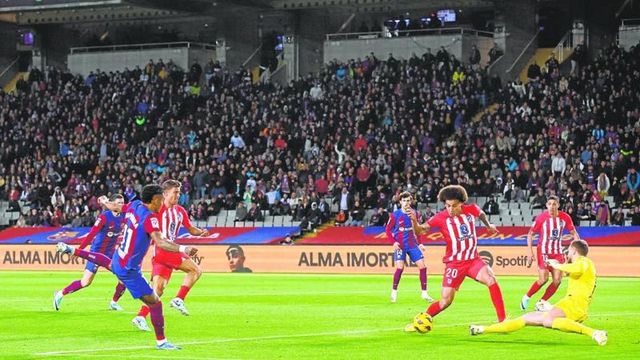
{"x":404,"y":33}
{"x":168,"y":45}
{"x":6,"y":72}
{"x":253,"y":54}
{"x":490,"y":67}
{"x":565,"y":43}
{"x":526,"y":47}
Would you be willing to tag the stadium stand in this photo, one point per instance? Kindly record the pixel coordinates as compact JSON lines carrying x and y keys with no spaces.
{"x":372,"y":126}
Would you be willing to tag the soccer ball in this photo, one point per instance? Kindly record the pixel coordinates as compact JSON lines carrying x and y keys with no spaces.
{"x":423,"y":323}
{"x":543,"y":305}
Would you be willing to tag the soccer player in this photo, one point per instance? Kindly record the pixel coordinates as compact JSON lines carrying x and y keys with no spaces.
{"x":171,"y":216}
{"x":568,"y":313}
{"x":457,"y":224}
{"x":141,"y":227}
{"x":405,"y":242}
{"x":549,"y":225}
{"x":103,"y":237}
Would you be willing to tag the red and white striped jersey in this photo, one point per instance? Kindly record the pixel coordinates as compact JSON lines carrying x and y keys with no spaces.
{"x":459,"y":233}
{"x":171,"y":219}
{"x":550,"y":230}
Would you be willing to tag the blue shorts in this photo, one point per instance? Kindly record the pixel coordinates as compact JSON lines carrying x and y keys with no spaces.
{"x":91,"y":267}
{"x":132,"y":280}
{"x":414,"y":254}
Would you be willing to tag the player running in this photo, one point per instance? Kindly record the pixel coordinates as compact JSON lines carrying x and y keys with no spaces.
{"x":549,"y":225}
{"x":457,"y":224}
{"x":405,"y":242}
{"x":141,"y":227}
{"x":568,"y":313}
{"x":103,"y":237}
{"x":171,"y":216}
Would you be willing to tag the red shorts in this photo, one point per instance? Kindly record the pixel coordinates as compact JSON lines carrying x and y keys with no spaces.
{"x":542,"y":258}
{"x":164,"y":262}
{"x":456,"y":271}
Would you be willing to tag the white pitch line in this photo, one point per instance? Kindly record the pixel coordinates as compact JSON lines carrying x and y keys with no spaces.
{"x":139,"y":356}
{"x":290,"y":336}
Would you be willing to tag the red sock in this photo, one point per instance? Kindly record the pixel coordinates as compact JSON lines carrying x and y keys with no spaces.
{"x":434,"y":309}
{"x":534,"y":289}
{"x":144,"y":311}
{"x":182,"y":293}
{"x":551,"y":289}
{"x":498,"y":303}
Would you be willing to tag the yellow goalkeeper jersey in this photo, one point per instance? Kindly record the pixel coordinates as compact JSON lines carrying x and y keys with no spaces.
{"x":582,"y":279}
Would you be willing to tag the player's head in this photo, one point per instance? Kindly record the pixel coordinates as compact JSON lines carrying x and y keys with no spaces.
{"x":453,"y":196}
{"x":235,"y":255}
{"x":553,"y":204}
{"x":152,"y":196}
{"x":578,"y":248}
{"x":405,"y":200}
{"x":171,"y":191}
{"x":117,"y":199}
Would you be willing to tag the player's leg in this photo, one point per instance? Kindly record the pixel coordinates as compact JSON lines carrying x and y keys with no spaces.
{"x":157,"y":317}
{"x":117,"y":294}
{"x":446,"y":298}
{"x":481,"y":272}
{"x":94,"y":257}
{"x":87,"y":278}
{"x":160,"y":276}
{"x":399,"y":257}
{"x":543,"y":277}
{"x":507,"y":326}
{"x":555,"y":283}
{"x":563,"y":317}
{"x":193,"y":274}
{"x":422,"y":268}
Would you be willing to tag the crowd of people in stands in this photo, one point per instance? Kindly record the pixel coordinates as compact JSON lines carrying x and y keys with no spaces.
{"x":353,"y":136}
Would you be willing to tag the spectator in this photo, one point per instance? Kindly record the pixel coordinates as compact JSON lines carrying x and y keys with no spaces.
{"x":491,"y":207}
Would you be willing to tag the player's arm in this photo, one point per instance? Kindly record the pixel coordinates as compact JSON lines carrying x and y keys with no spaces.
{"x":167,"y":245}
{"x":570,"y":226}
{"x":530,"y":245}
{"x":390,"y":224}
{"x":576,"y":268}
{"x":196,"y":231}
{"x":417,"y":227}
{"x":95,"y":229}
{"x":485,"y":220}
{"x":109,"y":205}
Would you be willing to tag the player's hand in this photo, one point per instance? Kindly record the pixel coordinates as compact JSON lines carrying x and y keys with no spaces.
{"x":422,"y":248}
{"x":532,"y":258}
{"x":492,"y":229}
{"x":191,"y":251}
{"x":396,"y":246}
{"x":553,"y":262}
{"x":204,"y":233}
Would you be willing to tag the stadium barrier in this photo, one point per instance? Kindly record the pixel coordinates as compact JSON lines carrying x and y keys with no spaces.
{"x":355,"y":259}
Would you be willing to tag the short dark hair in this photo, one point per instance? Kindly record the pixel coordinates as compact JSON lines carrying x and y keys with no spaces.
{"x":115,"y":197}
{"x":453,"y":192}
{"x":234,"y":249}
{"x":149,"y":191}
{"x":553,"y":197}
{"x":581,"y":247}
{"x":405,"y":194}
{"x":170,"y":184}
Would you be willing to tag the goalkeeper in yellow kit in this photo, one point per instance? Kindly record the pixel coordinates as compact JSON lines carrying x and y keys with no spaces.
{"x":568,"y":313}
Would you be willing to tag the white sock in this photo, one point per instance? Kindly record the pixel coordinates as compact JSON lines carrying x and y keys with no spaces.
{"x":160,"y":342}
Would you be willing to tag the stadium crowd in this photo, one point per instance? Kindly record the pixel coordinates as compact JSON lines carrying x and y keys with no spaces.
{"x":357,"y":133}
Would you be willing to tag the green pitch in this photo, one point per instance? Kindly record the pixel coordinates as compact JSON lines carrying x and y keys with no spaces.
{"x":270,"y":316}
